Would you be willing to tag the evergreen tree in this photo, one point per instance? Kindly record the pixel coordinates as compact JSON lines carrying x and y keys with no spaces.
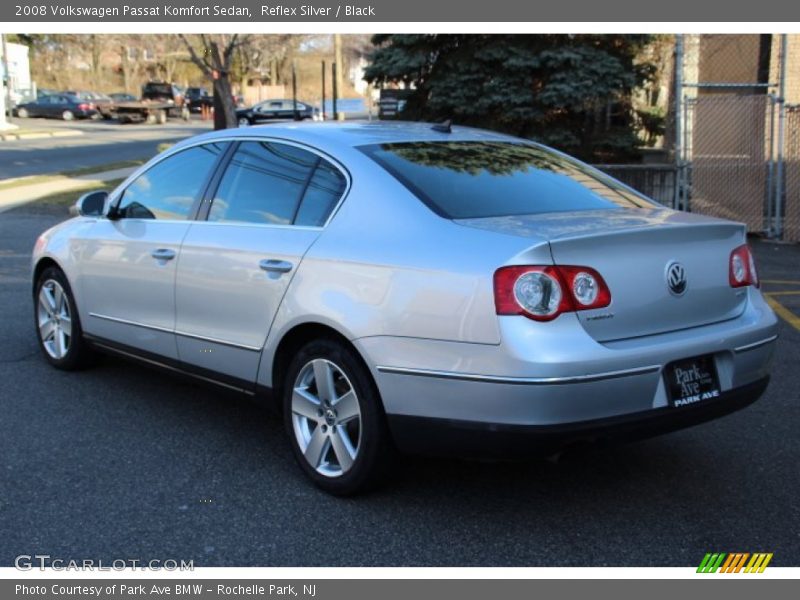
{"x":569,"y":91}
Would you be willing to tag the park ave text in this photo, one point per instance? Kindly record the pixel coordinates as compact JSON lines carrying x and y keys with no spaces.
{"x":265,"y":12}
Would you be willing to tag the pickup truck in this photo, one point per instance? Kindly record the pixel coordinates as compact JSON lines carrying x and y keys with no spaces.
{"x":159,"y":101}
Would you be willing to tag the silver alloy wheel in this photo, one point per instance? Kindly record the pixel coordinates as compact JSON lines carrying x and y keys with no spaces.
{"x":67,"y":115}
{"x":54,"y":319}
{"x":326,"y":417}
{"x":244,"y":122}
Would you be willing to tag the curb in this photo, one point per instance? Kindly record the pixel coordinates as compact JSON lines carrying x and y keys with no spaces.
{"x":39,"y":135}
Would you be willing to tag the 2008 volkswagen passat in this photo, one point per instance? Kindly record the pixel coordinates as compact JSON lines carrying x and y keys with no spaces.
{"x":403,"y":286}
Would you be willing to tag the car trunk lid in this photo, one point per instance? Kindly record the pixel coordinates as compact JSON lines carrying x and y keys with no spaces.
{"x":633,"y":250}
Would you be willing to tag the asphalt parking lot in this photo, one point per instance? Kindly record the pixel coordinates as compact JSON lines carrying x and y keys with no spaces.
{"x":122,"y":462}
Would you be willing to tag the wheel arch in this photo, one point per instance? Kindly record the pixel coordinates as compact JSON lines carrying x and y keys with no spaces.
{"x":295,"y":338}
{"x":41,"y":265}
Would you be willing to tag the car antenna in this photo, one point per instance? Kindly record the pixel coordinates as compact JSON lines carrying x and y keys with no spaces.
{"x":444,"y":126}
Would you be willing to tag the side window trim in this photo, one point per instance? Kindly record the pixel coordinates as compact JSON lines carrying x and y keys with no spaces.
{"x":227,"y":156}
{"x":194,"y":211}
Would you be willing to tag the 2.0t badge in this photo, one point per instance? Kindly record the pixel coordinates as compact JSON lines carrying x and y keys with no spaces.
{"x":676,"y":278}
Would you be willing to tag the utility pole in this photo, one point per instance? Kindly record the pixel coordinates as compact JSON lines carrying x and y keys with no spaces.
{"x":337,"y":73}
{"x":294,"y":92}
{"x":335,"y":90}
{"x":323,"y":90}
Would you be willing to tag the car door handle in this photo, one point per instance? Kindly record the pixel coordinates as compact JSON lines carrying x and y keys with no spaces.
{"x":271,"y":265}
{"x":163,"y":254}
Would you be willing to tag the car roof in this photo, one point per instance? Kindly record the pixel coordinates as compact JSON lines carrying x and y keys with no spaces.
{"x":334,"y":135}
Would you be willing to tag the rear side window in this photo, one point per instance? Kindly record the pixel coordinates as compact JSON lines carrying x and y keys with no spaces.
{"x":277,"y":184}
{"x":324,"y":190}
{"x":464,"y":180}
{"x":168,"y":190}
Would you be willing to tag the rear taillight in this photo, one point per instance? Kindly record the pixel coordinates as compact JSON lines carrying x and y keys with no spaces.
{"x":83,"y":106}
{"x":544,"y":292}
{"x":742,"y":268}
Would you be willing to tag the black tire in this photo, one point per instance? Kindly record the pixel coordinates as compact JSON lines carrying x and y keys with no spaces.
{"x":79,"y":354}
{"x":375,"y":451}
{"x":161,"y":117}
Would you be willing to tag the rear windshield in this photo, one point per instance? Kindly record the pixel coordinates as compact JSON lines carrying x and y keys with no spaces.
{"x":465,"y":180}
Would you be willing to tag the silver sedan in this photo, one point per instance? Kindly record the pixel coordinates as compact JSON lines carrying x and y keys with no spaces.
{"x":412,"y":287}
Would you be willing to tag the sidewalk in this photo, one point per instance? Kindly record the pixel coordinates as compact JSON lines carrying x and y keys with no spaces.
{"x":23,"y":194}
{"x":32,"y":134}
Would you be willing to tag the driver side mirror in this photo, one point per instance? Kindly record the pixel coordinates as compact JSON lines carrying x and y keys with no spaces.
{"x":92,"y":204}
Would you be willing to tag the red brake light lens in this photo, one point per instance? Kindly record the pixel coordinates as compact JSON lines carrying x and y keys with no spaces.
{"x":742,"y":268}
{"x":542,"y":293}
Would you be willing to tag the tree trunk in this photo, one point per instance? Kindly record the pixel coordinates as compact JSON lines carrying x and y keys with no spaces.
{"x":125,"y":67}
{"x":224,"y":108}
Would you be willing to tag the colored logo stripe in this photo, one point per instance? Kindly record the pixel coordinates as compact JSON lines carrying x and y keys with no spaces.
{"x":711,"y":563}
{"x":734,"y":562}
{"x":758,"y":563}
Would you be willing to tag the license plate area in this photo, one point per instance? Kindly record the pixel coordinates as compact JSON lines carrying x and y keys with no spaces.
{"x":691,"y":381}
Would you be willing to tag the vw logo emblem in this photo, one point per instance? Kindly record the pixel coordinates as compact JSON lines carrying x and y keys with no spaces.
{"x":676,"y":278}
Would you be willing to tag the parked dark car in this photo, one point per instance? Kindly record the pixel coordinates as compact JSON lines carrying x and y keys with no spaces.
{"x":104,"y":104}
{"x":123,"y":97}
{"x":57,"y":106}
{"x":270,"y":110}
{"x":197,"y":98}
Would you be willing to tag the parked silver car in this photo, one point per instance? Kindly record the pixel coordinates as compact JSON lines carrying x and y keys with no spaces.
{"x":413,"y":287}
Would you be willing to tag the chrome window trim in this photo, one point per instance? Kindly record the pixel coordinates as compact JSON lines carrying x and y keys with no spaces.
{"x":117,"y":193}
{"x":519,"y":380}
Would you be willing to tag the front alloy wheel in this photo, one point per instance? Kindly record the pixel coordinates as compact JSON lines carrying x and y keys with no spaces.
{"x":55,"y":319}
{"x":334,"y":418}
{"x":58,"y":325}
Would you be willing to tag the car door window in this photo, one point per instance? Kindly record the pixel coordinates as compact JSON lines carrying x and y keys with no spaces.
{"x":169,"y":189}
{"x":279,"y":184}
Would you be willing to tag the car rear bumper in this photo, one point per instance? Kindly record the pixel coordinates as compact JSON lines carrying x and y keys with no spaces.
{"x":482,"y":439}
{"x":558,"y":375}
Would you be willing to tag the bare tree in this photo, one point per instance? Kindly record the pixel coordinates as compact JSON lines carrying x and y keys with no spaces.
{"x":130,"y":49}
{"x":171,"y":54}
{"x":214,"y":58}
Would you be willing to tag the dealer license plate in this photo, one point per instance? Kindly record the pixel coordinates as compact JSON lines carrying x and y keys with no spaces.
{"x":692,"y":380}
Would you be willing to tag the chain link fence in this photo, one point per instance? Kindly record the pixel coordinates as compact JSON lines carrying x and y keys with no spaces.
{"x":737,"y":130}
{"x":791,"y":226}
{"x":730,"y":168}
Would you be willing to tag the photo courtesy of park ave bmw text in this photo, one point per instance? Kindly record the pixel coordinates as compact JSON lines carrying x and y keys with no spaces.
{"x":398,"y":299}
